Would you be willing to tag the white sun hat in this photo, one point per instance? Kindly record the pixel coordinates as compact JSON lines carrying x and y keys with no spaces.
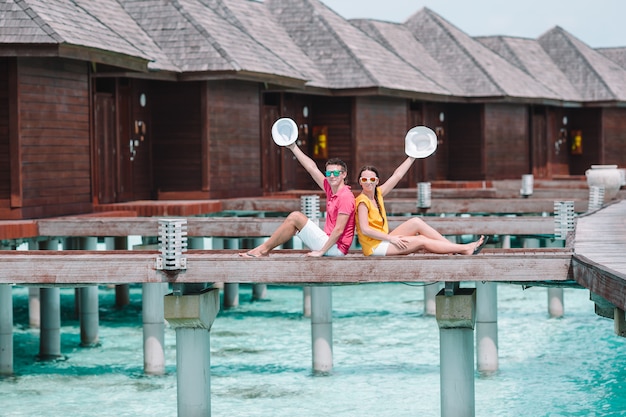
{"x":284,"y":131}
{"x":420,"y":142}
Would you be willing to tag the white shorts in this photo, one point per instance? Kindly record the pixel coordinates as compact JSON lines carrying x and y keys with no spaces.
{"x":314,"y":238}
{"x":381,"y":249}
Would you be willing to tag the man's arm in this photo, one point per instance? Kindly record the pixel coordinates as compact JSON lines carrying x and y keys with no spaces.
{"x":340,"y":226}
{"x":308,"y":164}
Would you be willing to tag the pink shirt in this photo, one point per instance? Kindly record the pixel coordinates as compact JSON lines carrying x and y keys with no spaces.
{"x":341,"y":203}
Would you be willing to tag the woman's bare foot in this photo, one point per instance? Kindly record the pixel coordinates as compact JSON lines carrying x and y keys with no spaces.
{"x":479,"y":244}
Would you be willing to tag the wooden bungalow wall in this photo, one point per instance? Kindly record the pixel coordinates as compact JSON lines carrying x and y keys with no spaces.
{"x":381,"y":125}
{"x":614,"y":136}
{"x":234,"y":149}
{"x":465,"y":142}
{"x":49,"y":134}
{"x":506,"y":141}
{"x":177,"y":135}
{"x":5,"y":165}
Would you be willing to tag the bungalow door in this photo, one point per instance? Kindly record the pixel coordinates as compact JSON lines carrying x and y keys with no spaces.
{"x":106,"y":148}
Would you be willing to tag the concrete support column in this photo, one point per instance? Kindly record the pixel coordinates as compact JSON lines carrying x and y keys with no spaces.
{"x":153,"y":328}
{"x":259,"y":291}
{"x":487,"y":326}
{"x":296,"y":243}
{"x":33,"y":296}
{"x":192,"y":317}
{"x":50,"y":315}
{"x":88,"y":307}
{"x":456,"y":316}
{"x":556,"y":304}
{"x":122,"y":291}
{"x":321,"y":328}
{"x":195,"y":243}
{"x":231,"y":290}
{"x":6,"y":329}
{"x":430,"y":292}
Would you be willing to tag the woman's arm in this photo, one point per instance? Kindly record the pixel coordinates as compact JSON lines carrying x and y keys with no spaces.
{"x":308,"y":164}
{"x":363,"y":220}
{"x":396,"y":176}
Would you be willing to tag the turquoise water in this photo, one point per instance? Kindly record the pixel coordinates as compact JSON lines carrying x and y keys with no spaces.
{"x":386,"y":360}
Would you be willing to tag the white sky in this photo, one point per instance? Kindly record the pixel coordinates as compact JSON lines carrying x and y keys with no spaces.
{"x":598,"y":23}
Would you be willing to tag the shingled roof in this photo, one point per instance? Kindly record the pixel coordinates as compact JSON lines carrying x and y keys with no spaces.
{"x":617,"y":55}
{"x":596,"y":77}
{"x":347,"y":57}
{"x":68,"y":27}
{"x":477,"y":69}
{"x":199,"y":39}
{"x":529,"y":56}
{"x":399,"y":39}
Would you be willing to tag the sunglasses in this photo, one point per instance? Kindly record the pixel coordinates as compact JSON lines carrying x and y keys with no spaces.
{"x":366,"y":180}
{"x":336,"y":173}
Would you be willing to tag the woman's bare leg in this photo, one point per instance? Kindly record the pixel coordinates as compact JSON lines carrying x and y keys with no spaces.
{"x":422,"y":243}
{"x":416,"y":226}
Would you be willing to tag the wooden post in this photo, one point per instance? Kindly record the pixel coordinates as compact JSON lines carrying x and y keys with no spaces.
{"x":456,"y":316}
{"x":192,"y":316}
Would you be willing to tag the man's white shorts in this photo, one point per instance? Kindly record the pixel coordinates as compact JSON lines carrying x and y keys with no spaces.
{"x":315,"y":238}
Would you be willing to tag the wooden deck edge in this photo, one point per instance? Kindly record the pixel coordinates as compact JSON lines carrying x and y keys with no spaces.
{"x":600,"y":280}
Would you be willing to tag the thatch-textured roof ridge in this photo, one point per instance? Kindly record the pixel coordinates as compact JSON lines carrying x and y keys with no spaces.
{"x":597,"y":77}
{"x":348,"y":57}
{"x":397,"y":38}
{"x":528,"y":55}
{"x":480,"y":71}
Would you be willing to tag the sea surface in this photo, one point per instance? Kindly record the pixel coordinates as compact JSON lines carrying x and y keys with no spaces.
{"x":385,"y":355}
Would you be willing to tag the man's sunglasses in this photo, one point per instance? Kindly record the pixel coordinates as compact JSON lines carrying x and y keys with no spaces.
{"x":336,"y":173}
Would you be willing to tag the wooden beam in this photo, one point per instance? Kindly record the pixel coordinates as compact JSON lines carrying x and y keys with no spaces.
{"x":256,"y":227}
{"x":601,"y":280}
{"x":283,"y":267}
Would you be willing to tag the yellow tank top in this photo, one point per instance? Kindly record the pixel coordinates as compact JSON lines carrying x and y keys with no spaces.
{"x":376,"y":219}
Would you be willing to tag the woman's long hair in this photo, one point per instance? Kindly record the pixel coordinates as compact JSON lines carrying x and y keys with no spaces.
{"x":375,"y":171}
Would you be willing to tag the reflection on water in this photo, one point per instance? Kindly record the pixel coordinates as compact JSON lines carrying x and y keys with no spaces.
{"x":386,"y":360}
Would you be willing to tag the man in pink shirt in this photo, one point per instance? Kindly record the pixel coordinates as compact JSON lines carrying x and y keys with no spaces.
{"x":336,"y":238}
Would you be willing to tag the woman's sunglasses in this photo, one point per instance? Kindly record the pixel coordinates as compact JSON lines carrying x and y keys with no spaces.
{"x":336,"y":173}
{"x":366,"y":180}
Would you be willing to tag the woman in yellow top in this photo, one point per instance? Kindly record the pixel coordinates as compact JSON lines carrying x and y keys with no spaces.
{"x":414,"y":235}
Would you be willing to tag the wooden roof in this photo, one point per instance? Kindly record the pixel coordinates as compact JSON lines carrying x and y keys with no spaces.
{"x":348,"y":57}
{"x":480,"y":71}
{"x":399,"y":39}
{"x":69,"y":28}
{"x":617,"y":55}
{"x":529,"y":56}
{"x":595,"y":76}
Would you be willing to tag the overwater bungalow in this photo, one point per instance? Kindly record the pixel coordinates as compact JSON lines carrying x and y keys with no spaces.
{"x":118,"y":101}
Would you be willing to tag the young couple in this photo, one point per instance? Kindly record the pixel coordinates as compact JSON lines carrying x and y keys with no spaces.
{"x":372,"y":226}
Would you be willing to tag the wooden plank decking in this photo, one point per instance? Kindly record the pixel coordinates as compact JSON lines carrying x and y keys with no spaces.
{"x":600,"y":253}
